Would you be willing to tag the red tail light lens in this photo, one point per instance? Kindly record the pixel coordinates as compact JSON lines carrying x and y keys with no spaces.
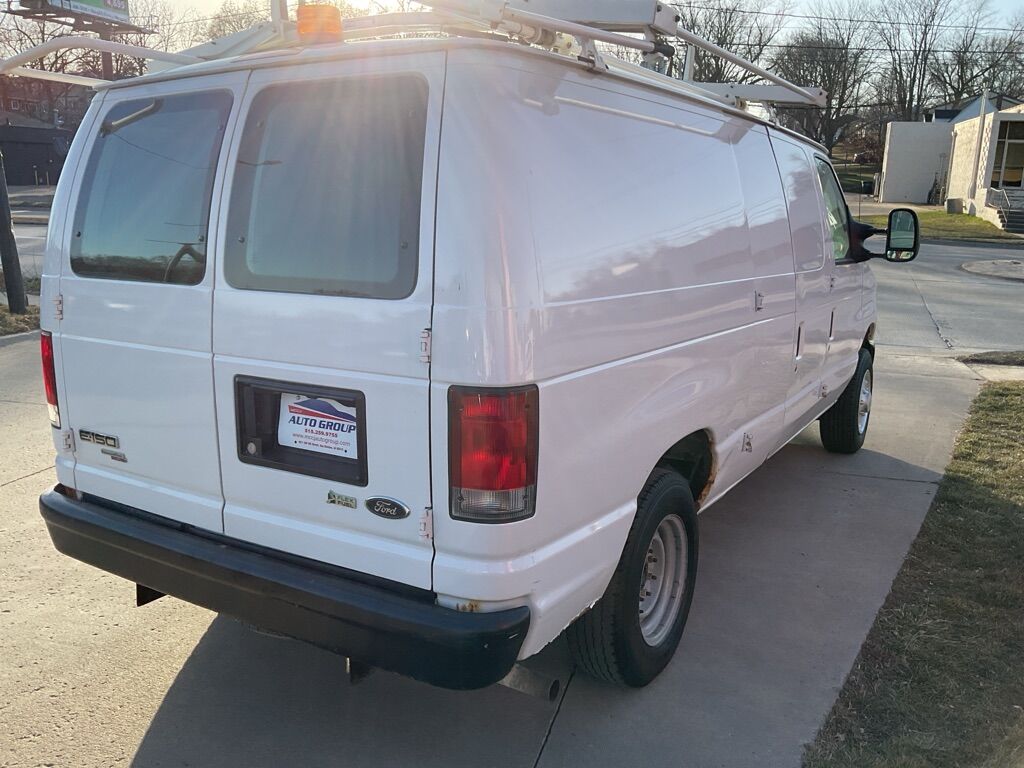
{"x":492,"y":453}
{"x":49,"y":377}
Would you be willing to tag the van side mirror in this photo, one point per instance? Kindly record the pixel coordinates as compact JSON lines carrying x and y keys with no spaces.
{"x":903,"y":236}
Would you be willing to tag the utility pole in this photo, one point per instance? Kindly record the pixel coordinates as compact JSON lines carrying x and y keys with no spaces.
{"x":106,"y":59}
{"x":14,"y":283}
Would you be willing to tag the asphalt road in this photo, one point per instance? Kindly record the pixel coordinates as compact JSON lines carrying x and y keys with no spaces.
{"x":795,"y":563}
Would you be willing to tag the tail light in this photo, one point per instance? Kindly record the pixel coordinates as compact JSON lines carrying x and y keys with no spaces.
{"x":49,"y":377}
{"x":492,"y":453}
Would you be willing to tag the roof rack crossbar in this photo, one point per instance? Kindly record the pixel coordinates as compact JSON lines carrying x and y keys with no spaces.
{"x":806,"y":96}
{"x":55,"y":77}
{"x":501,"y":12}
{"x":15,"y":65}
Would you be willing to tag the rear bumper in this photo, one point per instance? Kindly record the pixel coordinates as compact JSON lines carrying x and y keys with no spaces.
{"x":389,"y":626}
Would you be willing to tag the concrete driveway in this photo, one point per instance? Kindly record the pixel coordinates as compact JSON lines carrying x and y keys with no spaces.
{"x":794,"y":565}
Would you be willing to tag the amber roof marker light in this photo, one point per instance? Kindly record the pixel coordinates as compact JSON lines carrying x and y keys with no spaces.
{"x":319,"y":23}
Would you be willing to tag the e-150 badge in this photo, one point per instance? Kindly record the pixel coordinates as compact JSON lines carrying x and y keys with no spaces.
{"x":318,"y":424}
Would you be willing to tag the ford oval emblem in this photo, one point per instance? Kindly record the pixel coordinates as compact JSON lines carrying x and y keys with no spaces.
{"x":387,"y":508}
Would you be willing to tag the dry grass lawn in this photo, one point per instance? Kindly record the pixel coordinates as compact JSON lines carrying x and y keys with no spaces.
{"x":939,"y":225}
{"x":18,"y":323}
{"x":940,"y":679}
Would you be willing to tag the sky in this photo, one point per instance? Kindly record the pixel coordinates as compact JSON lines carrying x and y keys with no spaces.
{"x":1002,"y":9}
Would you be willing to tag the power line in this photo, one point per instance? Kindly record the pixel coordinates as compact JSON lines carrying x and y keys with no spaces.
{"x":813,"y":17}
{"x":1007,"y":52}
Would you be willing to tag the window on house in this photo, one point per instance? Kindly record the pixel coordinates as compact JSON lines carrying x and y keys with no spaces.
{"x":1008,"y":168}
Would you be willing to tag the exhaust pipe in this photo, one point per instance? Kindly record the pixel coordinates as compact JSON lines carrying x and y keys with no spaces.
{"x":532,"y":683}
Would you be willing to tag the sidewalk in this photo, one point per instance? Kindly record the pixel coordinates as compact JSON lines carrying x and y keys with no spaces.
{"x":866,"y":205}
{"x":33,"y":300}
{"x":31,"y":205}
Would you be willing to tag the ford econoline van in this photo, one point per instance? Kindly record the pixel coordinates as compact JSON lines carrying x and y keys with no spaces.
{"x":427,"y":350}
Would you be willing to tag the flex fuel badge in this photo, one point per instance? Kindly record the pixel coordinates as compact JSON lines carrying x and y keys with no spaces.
{"x":342,"y":500}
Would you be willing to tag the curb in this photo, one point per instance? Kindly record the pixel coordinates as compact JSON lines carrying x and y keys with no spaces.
{"x":31,"y":218}
{"x":1003,"y":269}
{"x":14,"y":338}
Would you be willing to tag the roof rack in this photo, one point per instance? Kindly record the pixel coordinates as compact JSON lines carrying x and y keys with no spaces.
{"x":15,"y":64}
{"x":615,"y":22}
{"x":570,"y":27}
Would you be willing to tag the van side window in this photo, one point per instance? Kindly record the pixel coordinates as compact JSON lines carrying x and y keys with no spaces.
{"x":326,"y":196}
{"x":144,"y":207}
{"x":835,"y":210}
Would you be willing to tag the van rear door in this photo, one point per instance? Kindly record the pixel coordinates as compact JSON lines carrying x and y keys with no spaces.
{"x":137,"y":300}
{"x":324,"y":295}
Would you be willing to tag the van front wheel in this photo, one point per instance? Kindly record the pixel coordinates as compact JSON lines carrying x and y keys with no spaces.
{"x":844,"y":426}
{"x":632,"y":632}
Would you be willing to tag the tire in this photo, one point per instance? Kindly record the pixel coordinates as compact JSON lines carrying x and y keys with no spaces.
{"x":609,"y":641}
{"x":844,"y":425}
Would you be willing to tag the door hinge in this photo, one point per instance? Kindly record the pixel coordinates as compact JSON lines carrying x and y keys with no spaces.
{"x":68,"y":440}
{"x":831,"y":282}
{"x":824,"y":391}
{"x":427,"y":524}
{"x":58,"y":306}
{"x":425,"y":336}
{"x":758,"y":301}
{"x":748,"y":443}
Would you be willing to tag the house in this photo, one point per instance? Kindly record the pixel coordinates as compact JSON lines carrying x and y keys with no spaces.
{"x":986,"y":168}
{"x":33,"y":154}
{"x":971,"y":163}
{"x":965,"y":109}
{"x":33,"y":139}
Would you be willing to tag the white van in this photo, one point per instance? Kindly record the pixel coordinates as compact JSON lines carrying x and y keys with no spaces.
{"x":428,"y":350}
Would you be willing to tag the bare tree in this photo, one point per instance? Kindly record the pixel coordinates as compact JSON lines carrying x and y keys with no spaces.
{"x":961,"y":69}
{"x":238,"y":15}
{"x":910,"y":32}
{"x":1003,"y":59}
{"x":745,"y":27}
{"x":832,"y":53}
{"x":167,"y":27}
{"x":18,"y":34}
{"x":1005,"y":56}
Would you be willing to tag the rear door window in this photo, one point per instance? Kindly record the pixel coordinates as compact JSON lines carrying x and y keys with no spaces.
{"x":144,"y":207}
{"x":326,"y":195}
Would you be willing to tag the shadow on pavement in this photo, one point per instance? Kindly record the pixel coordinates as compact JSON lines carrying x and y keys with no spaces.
{"x":791,"y":575}
{"x":244,"y":698}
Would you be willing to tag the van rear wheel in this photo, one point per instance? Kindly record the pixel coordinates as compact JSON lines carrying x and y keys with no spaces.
{"x":630,"y":635}
{"x":844,"y":426}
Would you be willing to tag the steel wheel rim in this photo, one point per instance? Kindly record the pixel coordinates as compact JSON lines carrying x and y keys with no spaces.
{"x":663,"y":581}
{"x":864,"y":404}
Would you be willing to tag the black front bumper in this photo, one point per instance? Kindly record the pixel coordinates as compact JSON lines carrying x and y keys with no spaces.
{"x":379,"y":623}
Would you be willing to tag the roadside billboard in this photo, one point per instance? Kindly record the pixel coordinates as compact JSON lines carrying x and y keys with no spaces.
{"x":107,"y":10}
